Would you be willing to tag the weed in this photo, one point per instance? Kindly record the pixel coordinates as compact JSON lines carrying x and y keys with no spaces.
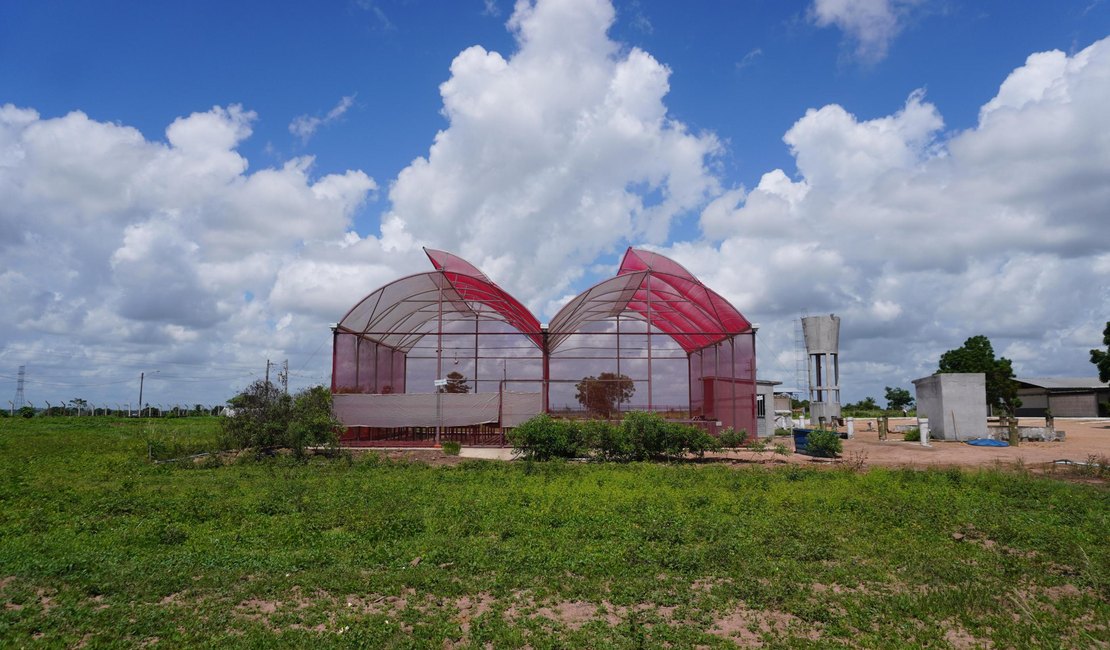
{"x":824,"y":443}
{"x":856,"y":461}
{"x":451,"y":447}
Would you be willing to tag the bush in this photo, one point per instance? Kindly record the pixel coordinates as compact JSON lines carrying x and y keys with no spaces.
{"x":730,"y":439}
{"x":451,"y":447}
{"x":824,"y":443}
{"x":609,"y":441}
{"x":689,"y":439}
{"x":641,"y":436}
{"x":266,"y":418}
{"x":912,"y":435}
{"x":544,"y":438}
{"x":647,"y":434}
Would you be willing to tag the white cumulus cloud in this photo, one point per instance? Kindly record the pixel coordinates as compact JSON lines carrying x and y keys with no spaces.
{"x":920,"y":238}
{"x":133,"y":249}
{"x":552,"y":155}
{"x":870,"y":25}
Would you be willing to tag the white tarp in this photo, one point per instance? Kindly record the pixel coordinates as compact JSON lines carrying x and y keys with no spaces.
{"x":416,"y":410}
{"x":518,"y":407}
{"x":420,"y":410}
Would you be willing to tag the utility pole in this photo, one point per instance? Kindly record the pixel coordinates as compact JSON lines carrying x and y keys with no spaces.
{"x":141,"y":376}
{"x":267,"y":373}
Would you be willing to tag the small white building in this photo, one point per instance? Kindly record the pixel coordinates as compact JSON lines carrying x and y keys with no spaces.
{"x":765,"y":407}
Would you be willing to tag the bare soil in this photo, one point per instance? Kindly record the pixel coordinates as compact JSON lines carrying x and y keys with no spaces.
{"x":1085,"y":438}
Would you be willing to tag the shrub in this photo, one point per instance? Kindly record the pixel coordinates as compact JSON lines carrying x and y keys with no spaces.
{"x":649,"y":436}
{"x":311,"y":422}
{"x":687,"y":439}
{"x":641,"y":436}
{"x":912,"y":434}
{"x":451,"y":447}
{"x":609,"y":441}
{"x":544,"y":438}
{"x":730,"y":439}
{"x":646,"y":433}
{"x":824,"y":443}
{"x":266,"y":418}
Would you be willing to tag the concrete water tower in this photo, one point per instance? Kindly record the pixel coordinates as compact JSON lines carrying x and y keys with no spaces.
{"x":822,"y":335}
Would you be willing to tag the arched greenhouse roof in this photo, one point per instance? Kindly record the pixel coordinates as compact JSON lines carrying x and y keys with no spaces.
{"x":402,"y":312}
{"x":648,"y":286}
{"x":660,"y":291}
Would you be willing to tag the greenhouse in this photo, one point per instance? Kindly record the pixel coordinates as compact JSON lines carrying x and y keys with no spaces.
{"x":450,"y":355}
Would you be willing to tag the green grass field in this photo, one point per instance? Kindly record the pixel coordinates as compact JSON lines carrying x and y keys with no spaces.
{"x":102,"y":547}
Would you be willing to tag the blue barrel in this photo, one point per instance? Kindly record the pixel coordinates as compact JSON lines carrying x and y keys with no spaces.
{"x":801,"y":440}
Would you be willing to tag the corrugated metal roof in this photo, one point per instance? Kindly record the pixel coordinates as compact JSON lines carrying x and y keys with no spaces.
{"x":1063,"y":383}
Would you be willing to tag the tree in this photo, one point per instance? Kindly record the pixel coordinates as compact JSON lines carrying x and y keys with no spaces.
{"x":602,"y":395}
{"x":977,"y":355}
{"x":78,"y":404}
{"x":267,"y":418}
{"x":898,"y":399}
{"x":865,"y":404}
{"x":456,"y":383}
{"x":1102,"y":359}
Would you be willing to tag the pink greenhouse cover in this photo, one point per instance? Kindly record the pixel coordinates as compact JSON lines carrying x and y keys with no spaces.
{"x":473,"y":286}
{"x":660,"y":291}
{"x":694,"y":314}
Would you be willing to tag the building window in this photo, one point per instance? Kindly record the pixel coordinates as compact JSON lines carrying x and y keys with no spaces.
{"x":760,"y":409}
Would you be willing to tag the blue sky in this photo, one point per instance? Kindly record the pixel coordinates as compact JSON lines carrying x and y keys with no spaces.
{"x":736,"y":78}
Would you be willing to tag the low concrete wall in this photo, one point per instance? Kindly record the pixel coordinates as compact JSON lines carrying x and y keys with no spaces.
{"x":1045,"y":434}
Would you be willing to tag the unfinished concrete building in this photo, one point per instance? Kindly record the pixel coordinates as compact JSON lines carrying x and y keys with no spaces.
{"x":822,"y":336}
{"x":955,"y":403}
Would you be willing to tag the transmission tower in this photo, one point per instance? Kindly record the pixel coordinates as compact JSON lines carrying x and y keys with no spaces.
{"x":20,"y":400}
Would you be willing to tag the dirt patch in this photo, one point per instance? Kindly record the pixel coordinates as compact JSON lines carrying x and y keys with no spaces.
{"x":257,"y":608}
{"x":961,"y":639}
{"x":706,"y":585}
{"x":749,"y":627}
{"x":573,"y":614}
{"x":46,"y":601}
{"x":1062,"y":591}
{"x":472,"y":607}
